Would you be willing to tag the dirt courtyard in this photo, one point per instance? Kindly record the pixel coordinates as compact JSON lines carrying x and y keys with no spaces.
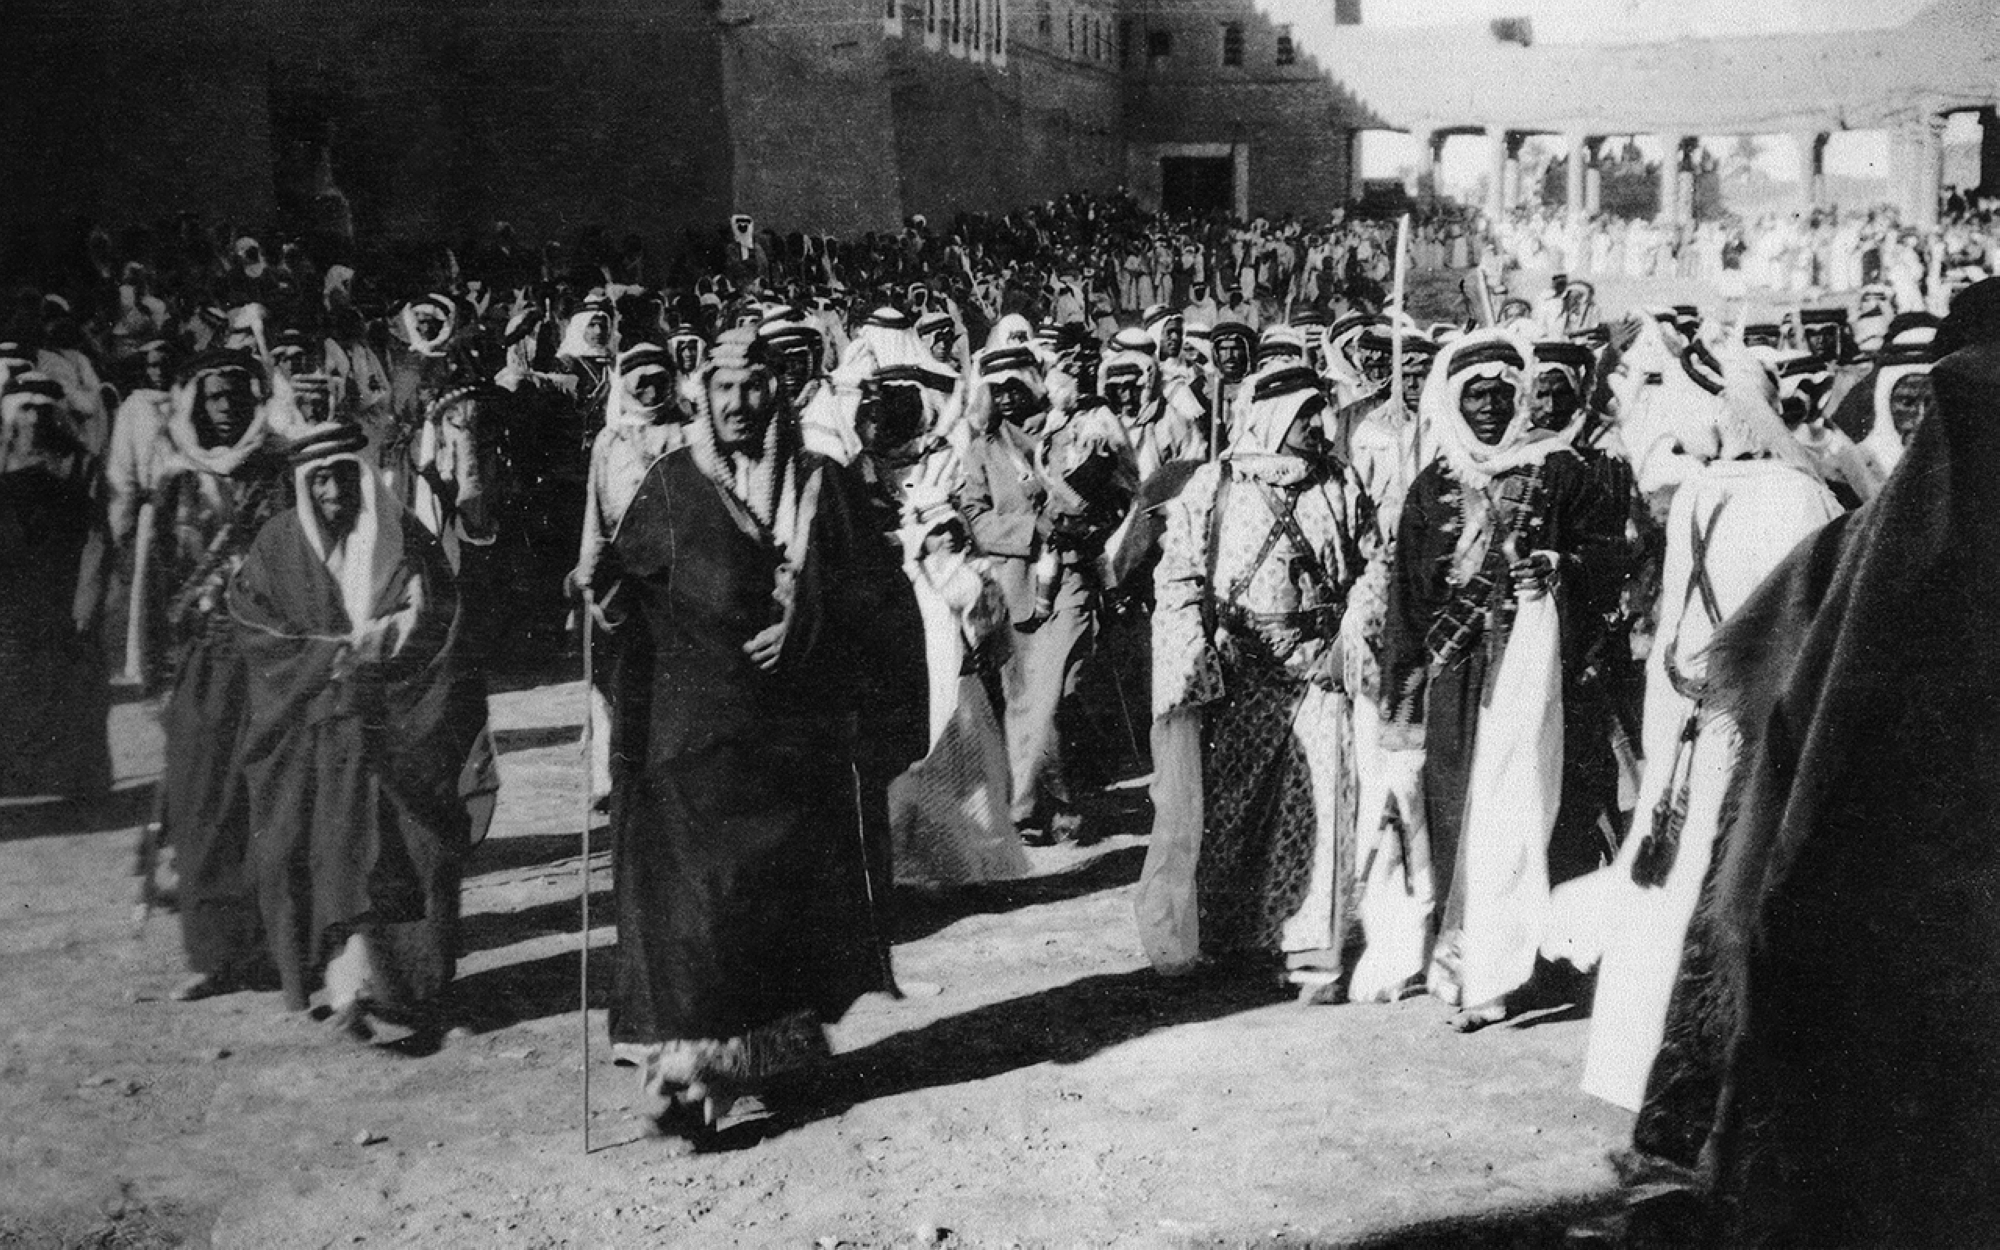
{"x":1041,"y":1087}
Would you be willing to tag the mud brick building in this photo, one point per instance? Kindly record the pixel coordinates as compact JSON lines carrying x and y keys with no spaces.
{"x":425,"y":118}
{"x":442,"y":116}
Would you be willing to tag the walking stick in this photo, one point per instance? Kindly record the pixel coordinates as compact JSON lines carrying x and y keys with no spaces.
{"x":875,"y":925}
{"x":136,"y":619}
{"x":583,"y":866}
{"x":1396,"y":342}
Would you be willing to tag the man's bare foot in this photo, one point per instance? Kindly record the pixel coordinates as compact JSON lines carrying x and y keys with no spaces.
{"x":351,"y":1022}
{"x":1473,"y":1019}
{"x":197,"y":987}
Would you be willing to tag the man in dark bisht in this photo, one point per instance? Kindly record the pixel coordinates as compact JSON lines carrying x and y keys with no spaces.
{"x":219,"y":429}
{"x":53,"y":694}
{"x":361,"y":714}
{"x":1831,"y":1068}
{"x":744,"y":905}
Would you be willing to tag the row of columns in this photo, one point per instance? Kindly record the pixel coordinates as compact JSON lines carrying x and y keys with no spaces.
{"x":1915,"y":174}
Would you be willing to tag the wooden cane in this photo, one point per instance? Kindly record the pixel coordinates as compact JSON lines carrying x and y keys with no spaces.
{"x":583,"y":865}
{"x":1396,"y":320}
{"x":136,"y":619}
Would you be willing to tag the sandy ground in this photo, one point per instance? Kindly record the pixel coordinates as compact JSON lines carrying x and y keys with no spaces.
{"x":1049,"y":1090}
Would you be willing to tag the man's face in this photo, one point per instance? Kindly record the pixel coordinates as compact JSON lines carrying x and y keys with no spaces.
{"x":1556,"y":400}
{"x":798,"y":364}
{"x":336,"y":495}
{"x":1911,"y":403}
{"x":40,"y":415}
{"x":650,"y":389}
{"x":1416,"y":368}
{"x":943,"y":342}
{"x":1232,"y":357}
{"x":1487,"y":404}
{"x":740,"y":403}
{"x":156,"y":369}
{"x":1124,"y":393}
{"x":597,"y":332}
{"x":1375,"y":364}
{"x":945,"y":539}
{"x":288,"y":360}
{"x":1823,"y":341}
{"x":890,"y":421}
{"x":1013,"y":401}
{"x":228,"y":405}
{"x":1307,"y":437}
{"x":687,"y":355}
{"x":1170,"y":340}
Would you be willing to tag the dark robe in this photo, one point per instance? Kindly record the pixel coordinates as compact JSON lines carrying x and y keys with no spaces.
{"x":1583,"y":520}
{"x":1831,"y":1061}
{"x":53,"y":694}
{"x":204,"y":808}
{"x":352,"y":771}
{"x":740,"y":886}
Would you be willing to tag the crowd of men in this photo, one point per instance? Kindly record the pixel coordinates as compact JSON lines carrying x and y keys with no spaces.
{"x":1808,"y":254}
{"x":879,"y":547}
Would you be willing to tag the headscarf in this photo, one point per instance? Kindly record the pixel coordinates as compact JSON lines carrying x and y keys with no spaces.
{"x":446,"y":309}
{"x":1494,"y":353}
{"x":1907,"y":351}
{"x":1573,"y":360}
{"x":885,"y":339}
{"x":1199,"y":339}
{"x":1750,"y":416}
{"x":373,"y":550}
{"x":1340,"y":353}
{"x":1012,"y":330}
{"x":1160,"y":323}
{"x":245,"y":248}
{"x":222,"y":460}
{"x":1125,"y":361}
{"x":767,"y":487}
{"x":782,"y":326}
{"x":1279,"y":400}
{"x":252,"y":320}
{"x":1281,"y":343}
{"x":575,"y":346}
{"x":31,"y":421}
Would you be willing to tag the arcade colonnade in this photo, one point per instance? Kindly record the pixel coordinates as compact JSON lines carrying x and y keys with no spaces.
{"x":1915,"y":146}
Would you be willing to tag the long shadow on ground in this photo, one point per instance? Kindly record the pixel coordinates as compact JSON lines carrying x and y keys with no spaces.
{"x":1066,"y":1024}
{"x":920,"y":914}
{"x":1515,"y":1228}
{"x":127,"y":808}
{"x":530,"y":850}
{"x":490,"y":930}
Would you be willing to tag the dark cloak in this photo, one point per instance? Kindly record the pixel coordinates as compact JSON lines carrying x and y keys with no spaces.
{"x":1585,"y":507}
{"x":53,"y":696}
{"x":1832,"y":1054}
{"x":205,"y":810}
{"x":740,"y":890}
{"x":352,"y":771}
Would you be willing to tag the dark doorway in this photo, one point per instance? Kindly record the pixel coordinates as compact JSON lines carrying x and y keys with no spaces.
{"x":1197,"y":184}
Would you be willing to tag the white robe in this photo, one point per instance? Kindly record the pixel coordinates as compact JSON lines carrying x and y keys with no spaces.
{"x":1769,"y":510}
